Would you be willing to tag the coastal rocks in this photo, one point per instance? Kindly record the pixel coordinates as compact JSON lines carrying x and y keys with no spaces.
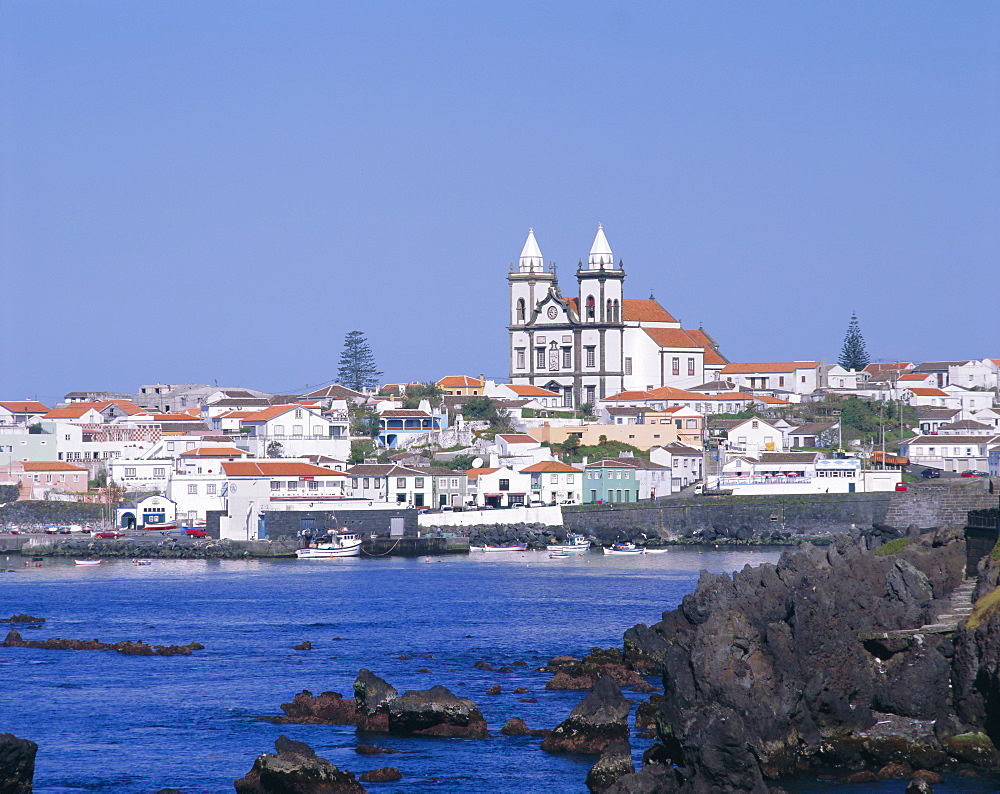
{"x":615,"y":762}
{"x":22,"y":618}
{"x":496,"y":689}
{"x":368,"y":749}
{"x":372,"y":693}
{"x":435,"y":712}
{"x":329,"y":708}
{"x":515,"y":726}
{"x":17,"y":764}
{"x":537,"y":536}
{"x":385,"y":774}
{"x":296,"y":769}
{"x":583,"y":674}
{"x":769,"y":671}
{"x":597,"y":720}
{"x":127,"y":647}
{"x":303,"y":646}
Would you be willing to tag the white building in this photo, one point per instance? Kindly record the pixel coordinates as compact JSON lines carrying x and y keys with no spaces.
{"x":795,"y":377}
{"x":600,"y":342}
{"x":950,"y":453}
{"x":685,"y":463}
{"x":554,"y":482}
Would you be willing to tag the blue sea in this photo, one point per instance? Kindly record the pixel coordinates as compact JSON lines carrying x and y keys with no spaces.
{"x":111,"y":723}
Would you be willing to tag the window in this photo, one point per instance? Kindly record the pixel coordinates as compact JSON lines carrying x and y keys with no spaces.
{"x":298,"y":413}
{"x":754,"y":424}
{"x":418,"y":482}
{"x":297,"y":431}
{"x":401,"y":482}
{"x":520,"y":310}
{"x":210,"y":489}
{"x":129,"y":471}
{"x":567,"y":358}
{"x":504,"y":485}
{"x":192,"y":488}
{"x":170,"y":446}
{"x":354,"y":482}
{"x":279,"y":430}
{"x":159,"y":472}
{"x":690,"y":366}
{"x":365,"y":482}
{"x":691,"y":424}
{"x":567,"y":397}
{"x":675,"y":365}
{"x":378,"y":482}
{"x":628,"y":366}
{"x":781,"y":381}
{"x":313,"y":485}
{"x":454,"y":482}
{"x":520,"y":357}
{"x":569,"y":481}
{"x":591,"y":358}
{"x":590,"y":307}
{"x":442,"y":482}
{"x":554,"y":479}
{"x":540,"y":362}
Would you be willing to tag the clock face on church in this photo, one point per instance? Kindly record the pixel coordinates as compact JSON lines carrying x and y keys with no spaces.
{"x":553,"y":312}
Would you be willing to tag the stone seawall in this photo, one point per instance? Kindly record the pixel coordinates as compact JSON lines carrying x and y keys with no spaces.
{"x":941,"y":502}
{"x":287,"y":524}
{"x":744,"y":518}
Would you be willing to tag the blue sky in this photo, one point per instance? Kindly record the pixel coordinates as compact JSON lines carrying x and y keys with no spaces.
{"x":193,"y":191}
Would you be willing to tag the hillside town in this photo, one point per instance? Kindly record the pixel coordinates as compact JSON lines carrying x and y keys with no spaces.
{"x":608,"y":400}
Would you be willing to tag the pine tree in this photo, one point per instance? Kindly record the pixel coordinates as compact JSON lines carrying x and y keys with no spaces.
{"x":357,"y":369}
{"x":853,"y":355}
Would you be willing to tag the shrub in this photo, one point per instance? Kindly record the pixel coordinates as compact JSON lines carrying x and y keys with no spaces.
{"x":892,"y":547}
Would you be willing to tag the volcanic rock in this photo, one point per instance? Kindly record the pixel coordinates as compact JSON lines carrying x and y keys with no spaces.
{"x":435,"y":712}
{"x":386,"y":774}
{"x":22,"y":618}
{"x":126,"y":647}
{"x":372,"y":693}
{"x":494,"y":690}
{"x":304,"y":646}
{"x":919,"y":785}
{"x":17,"y":764}
{"x":597,"y":720}
{"x":583,"y":674}
{"x":329,"y":708}
{"x":296,"y":769}
{"x":615,"y":762}
{"x":368,"y":749}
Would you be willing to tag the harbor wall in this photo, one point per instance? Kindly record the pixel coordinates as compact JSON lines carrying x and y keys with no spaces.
{"x":549,"y":516}
{"x":288,"y":523}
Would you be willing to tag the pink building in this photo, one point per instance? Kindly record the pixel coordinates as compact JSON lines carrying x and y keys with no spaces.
{"x":35,"y":478}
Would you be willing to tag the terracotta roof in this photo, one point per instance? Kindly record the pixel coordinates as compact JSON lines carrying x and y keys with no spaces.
{"x":405,"y":413}
{"x":645,"y":311}
{"x":672,"y":337}
{"x":531,"y":391}
{"x":915,"y":376}
{"x":772,"y":366}
{"x":517,"y":438}
{"x":70,"y":412}
{"x":673,"y":393}
{"x":884,"y":366}
{"x":547,"y":466}
{"x":770,"y":400}
{"x":336,"y":392}
{"x":226,"y":402}
{"x":627,"y":395}
{"x":25,"y":407}
{"x":473,"y":474}
{"x":215,"y":452}
{"x":460,"y":381}
{"x":919,"y":392}
{"x":178,"y":417}
{"x":264,"y":414}
{"x":712,"y":356}
{"x":275,"y":468}
{"x":50,"y":465}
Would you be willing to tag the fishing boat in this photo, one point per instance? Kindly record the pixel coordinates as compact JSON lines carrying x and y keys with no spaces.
{"x":511,"y":547}
{"x":88,"y":562}
{"x":142,"y":562}
{"x":341,"y":544}
{"x":558,"y":554}
{"x":624,"y":548}
{"x":573,"y":543}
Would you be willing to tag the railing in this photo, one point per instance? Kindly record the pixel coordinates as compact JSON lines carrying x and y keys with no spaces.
{"x":758,"y":480}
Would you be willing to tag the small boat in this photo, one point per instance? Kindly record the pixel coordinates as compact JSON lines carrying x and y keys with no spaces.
{"x":558,"y":554}
{"x":573,"y":543}
{"x":88,"y":562}
{"x":142,"y":562}
{"x":624,"y":548}
{"x":657,"y":551}
{"x":512,"y":547}
{"x":341,"y":544}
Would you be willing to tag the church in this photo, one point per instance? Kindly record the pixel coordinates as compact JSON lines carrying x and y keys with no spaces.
{"x":598,"y":343}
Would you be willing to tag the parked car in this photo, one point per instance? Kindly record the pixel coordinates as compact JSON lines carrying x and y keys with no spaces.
{"x":931,"y":473}
{"x":195,"y":532}
{"x":109,"y":535}
{"x":902,"y":486}
{"x":969,"y":473}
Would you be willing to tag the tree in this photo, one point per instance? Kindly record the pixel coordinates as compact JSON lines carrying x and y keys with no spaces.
{"x":423,"y":391}
{"x":853,"y":354}
{"x":275,"y":450}
{"x":357,"y":369}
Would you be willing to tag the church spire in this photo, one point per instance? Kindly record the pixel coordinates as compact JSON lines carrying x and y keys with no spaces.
{"x":531,"y":255}
{"x":600,"y":252}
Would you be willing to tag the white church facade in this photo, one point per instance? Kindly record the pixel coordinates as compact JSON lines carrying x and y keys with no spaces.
{"x":599,"y":343}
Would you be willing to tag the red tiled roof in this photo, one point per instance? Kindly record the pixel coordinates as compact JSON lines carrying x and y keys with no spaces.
{"x":405,"y":413}
{"x":215,"y":452}
{"x":772,"y":366}
{"x":547,"y":466}
{"x":50,"y":465}
{"x":74,"y":411}
{"x":645,"y":311}
{"x":265,"y":414}
{"x":915,"y":376}
{"x":531,"y":391}
{"x":671,"y":337}
{"x":25,"y":407}
{"x":460,"y":381}
{"x":518,"y":438}
{"x":275,"y":468}
{"x":919,"y":392}
{"x":712,"y":357}
{"x":875,"y":369}
{"x":473,"y":474}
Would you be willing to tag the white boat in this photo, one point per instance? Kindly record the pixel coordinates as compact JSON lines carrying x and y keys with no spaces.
{"x":573,"y":543}
{"x":88,"y":562}
{"x":342,"y":544}
{"x":512,"y":547}
{"x":624,"y":548}
{"x":142,"y":562}
{"x":558,"y":554}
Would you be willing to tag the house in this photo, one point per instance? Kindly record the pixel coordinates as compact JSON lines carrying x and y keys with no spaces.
{"x":334,"y":393}
{"x":451,"y":488}
{"x":387,"y":482}
{"x":554,"y":482}
{"x":142,"y":475}
{"x":813,"y":434}
{"x":654,"y":479}
{"x":537,"y":397}
{"x":78,"y":413}
{"x":967,"y":373}
{"x":930,"y":419}
{"x":797,"y":377}
{"x":990,"y":416}
{"x":500,"y":486}
{"x":292,"y":431}
{"x":148,"y":513}
{"x":610,"y":481}
{"x":966,"y":427}
{"x":686,"y":463}
{"x":642,"y":436}
{"x":950,"y":453}
{"x":21,"y":412}
{"x":47,"y":479}
{"x":398,"y":425}
{"x":925,"y":396}
{"x":836,"y":378}
{"x":462,"y":385}
{"x":751,"y":437}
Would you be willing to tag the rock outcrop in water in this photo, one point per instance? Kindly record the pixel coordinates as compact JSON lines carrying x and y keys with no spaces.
{"x":379,"y":708}
{"x":571,"y":673}
{"x":296,"y":769}
{"x":615,"y":762}
{"x":808,"y":664}
{"x":599,"y":719}
{"x":127,"y":647}
{"x":17,"y":764}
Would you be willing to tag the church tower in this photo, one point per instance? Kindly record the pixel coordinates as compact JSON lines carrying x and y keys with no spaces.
{"x":602,"y":329}
{"x":529,"y":283}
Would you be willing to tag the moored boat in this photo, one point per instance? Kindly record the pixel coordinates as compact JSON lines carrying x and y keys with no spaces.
{"x":511,"y":547}
{"x":624,"y":548}
{"x":88,"y":562}
{"x":573,"y":543}
{"x":341,"y":544}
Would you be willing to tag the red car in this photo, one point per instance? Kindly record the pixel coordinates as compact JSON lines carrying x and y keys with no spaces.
{"x":969,"y":473}
{"x":195,"y":532}
{"x":110,"y":535}
{"x":902,"y":486}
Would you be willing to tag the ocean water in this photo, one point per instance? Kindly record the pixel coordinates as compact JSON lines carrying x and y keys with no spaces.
{"x":110,"y":723}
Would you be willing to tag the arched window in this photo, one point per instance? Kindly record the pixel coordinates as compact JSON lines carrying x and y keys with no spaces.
{"x":590,"y":307}
{"x":520,"y":310}
{"x":608,"y":316}
{"x":617,"y":312}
